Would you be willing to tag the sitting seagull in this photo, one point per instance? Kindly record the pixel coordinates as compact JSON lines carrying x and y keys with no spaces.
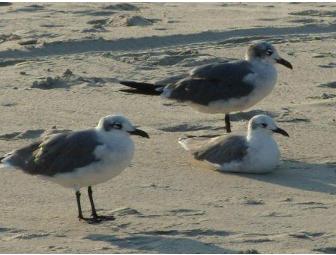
{"x":256,"y":153}
{"x":221,"y":87}
{"x":78,"y":159}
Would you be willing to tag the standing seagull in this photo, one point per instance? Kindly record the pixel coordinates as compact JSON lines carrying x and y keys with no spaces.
{"x":223,"y":87}
{"x":256,"y":153}
{"x":81,"y":158}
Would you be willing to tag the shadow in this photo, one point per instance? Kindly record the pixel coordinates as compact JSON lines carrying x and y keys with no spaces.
{"x":326,"y":250}
{"x":5,"y":4}
{"x":152,"y":42}
{"x":239,"y":116}
{"x":328,"y":85}
{"x":189,"y":127}
{"x":159,"y":244}
{"x":302,"y":175}
{"x":28,"y":134}
{"x":189,"y":232}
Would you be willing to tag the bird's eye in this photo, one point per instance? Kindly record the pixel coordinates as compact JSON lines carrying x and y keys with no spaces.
{"x":264,"y":125}
{"x":116,"y":126}
{"x":269,"y":52}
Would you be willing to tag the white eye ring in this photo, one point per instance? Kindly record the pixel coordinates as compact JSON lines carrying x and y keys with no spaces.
{"x":117,"y":126}
{"x":269,"y":52}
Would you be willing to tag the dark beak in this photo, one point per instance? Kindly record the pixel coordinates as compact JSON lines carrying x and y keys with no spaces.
{"x":284,"y":63}
{"x":280,"y":131}
{"x":139,"y":132}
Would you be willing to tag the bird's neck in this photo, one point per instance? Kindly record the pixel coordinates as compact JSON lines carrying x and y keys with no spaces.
{"x":266,"y":74}
{"x":111,"y":135}
{"x":258,"y":138}
{"x":260,"y":62}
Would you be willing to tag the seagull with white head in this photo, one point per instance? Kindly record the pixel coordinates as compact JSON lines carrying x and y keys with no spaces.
{"x":257,"y":152}
{"x":224,"y":87}
{"x":79,"y":159}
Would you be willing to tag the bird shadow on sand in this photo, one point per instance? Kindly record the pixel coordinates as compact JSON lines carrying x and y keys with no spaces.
{"x":235,"y":117}
{"x":159,"y":244}
{"x":199,"y":127}
{"x":302,"y":175}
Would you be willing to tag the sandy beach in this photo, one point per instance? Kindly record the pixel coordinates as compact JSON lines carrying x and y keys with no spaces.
{"x":60,"y":64}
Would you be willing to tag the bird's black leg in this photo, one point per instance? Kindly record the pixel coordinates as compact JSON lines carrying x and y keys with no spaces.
{"x":80,"y":214}
{"x":227,"y":123}
{"x":93,"y":208}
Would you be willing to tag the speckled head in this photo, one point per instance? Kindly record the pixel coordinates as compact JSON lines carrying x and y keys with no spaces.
{"x":265,"y":51}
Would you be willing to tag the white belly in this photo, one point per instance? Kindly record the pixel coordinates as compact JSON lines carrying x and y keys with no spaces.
{"x":114,"y":158}
{"x":235,"y":104}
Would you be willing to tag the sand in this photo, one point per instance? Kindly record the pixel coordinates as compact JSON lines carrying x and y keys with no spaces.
{"x":60,"y":64}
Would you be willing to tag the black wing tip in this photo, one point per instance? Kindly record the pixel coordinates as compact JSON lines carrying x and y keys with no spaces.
{"x":140,"y":88}
{"x":135,"y":91}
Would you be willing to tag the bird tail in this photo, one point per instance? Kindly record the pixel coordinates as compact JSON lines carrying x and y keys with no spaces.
{"x":194,"y":143}
{"x":20,"y":159}
{"x":191,"y":143}
{"x":141,"y":88}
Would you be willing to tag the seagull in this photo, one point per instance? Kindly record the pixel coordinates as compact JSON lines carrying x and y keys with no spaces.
{"x":255,"y":153}
{"x":221,"y":87}
{"x":77,"y":159}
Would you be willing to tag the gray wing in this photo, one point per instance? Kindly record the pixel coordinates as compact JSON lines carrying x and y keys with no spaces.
{"x":208,"y":83}
{"x":228,"y":71}
{"x":223,"y":150}
{"x":59,"y":153}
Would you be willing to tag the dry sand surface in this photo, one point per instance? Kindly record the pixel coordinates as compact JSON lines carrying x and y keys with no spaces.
{"x":60,"y":64}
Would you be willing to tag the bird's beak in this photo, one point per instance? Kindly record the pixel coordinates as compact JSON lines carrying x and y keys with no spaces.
{"x":284,"y":62}
{"x":139,"y":132}
{"x":280,"y":131}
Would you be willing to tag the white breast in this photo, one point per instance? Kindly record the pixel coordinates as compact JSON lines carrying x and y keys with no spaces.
{"x":115,"y":155}
{"x":263,"y":154}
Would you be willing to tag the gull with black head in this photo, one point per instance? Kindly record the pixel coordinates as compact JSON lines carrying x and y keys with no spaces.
{"x":255,"y":153}
{"x":79,"y":159}
{"x":222,"y":87}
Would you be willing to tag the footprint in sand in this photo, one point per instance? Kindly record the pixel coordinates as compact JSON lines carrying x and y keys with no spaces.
{"x":130,"y":20}
{"x":328,"y":250}
{"x":123,"y":211}
{"x":309,"y":205}
{"x":276,"y":214}
{"x":307,"y":235}
{"x":304,"y":21}
{"x":69,"y":79}
{"x":253,"y":202}
{"x":30,"y":8}
{"x":189,"y":232}
{"x":330,"y":65}
{"x":28,"y":134}
{"x":324,"y":96}
{"x":121,"y":7}
{"x":315,"y":13}
{"x":328,"y":85}
{"x":16,"y":234}
{"x":186,"y":212}
{"x":288,"y":115}
{"x":27,"y":236}
{"x":7,"y":103}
